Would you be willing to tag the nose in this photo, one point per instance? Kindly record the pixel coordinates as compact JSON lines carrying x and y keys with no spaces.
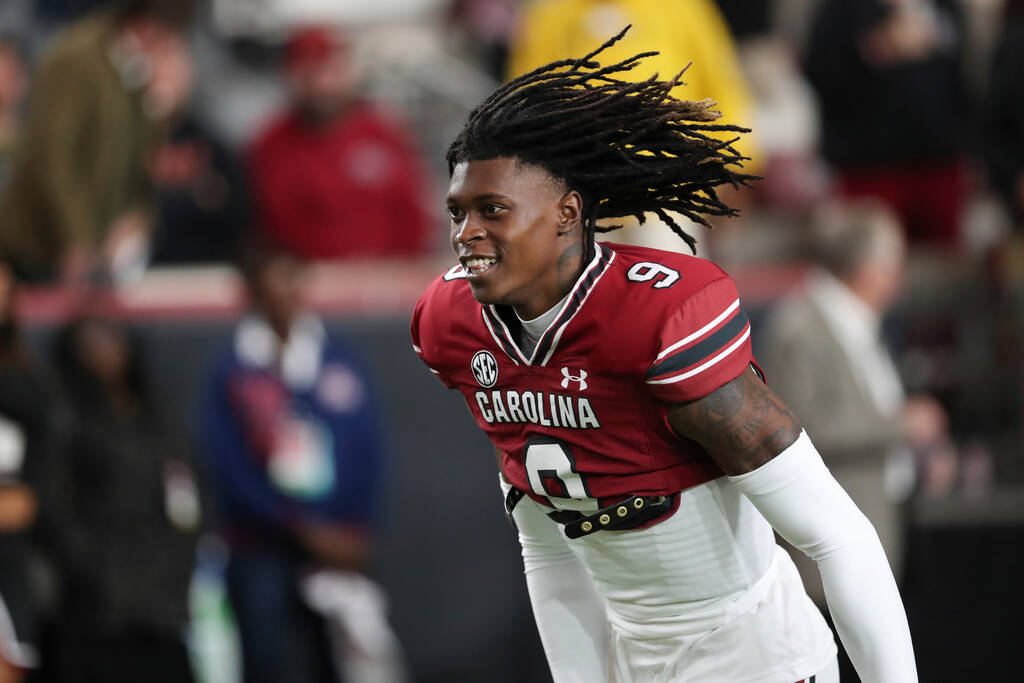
{"x":469,"y":231}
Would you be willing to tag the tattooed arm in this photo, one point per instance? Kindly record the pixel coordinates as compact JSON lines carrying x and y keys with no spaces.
{"x":742,"y":425}
{"x":758,"y":442}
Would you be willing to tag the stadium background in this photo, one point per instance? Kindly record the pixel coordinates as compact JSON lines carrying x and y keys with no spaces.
{"x":445,"y":554}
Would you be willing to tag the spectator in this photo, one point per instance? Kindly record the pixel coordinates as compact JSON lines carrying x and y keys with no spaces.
{"x":888,"y":75}
{"x":291,"y":435}
{"x":27,"y":435}
{"x":13,"y":83}
{"x":202,"y":201}
{"x":80,"y":196}
{"x":334,"y":177}
{"x":824,"y":355}
{"x":128,"y":518}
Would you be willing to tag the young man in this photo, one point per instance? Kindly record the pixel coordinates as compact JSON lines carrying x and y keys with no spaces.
{"x":644,"y":459}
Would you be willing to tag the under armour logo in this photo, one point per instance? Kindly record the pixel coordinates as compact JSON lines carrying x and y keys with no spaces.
{"x":581,"y":378}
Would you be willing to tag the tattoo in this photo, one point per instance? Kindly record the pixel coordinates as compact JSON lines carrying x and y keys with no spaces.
{"x":741,"y":425}
{"x":570,"y":263}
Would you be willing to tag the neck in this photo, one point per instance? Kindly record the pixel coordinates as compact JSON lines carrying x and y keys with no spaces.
{"x":567,"y":271}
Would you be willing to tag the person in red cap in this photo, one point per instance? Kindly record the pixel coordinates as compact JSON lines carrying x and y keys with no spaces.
{"x":334,"y":176}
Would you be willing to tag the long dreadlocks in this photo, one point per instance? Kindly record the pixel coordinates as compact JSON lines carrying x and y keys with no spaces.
{"x":626,"y":147}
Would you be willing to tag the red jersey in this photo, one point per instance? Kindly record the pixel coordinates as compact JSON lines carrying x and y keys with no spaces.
{"x":582,"y":421}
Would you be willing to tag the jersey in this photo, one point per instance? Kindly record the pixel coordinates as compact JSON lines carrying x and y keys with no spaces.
{"x":582,"y":421}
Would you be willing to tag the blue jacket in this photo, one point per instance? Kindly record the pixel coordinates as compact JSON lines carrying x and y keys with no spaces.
{"x":290,"y":434}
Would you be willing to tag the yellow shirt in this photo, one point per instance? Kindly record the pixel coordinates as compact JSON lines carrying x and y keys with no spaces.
{"x":683,"y":31}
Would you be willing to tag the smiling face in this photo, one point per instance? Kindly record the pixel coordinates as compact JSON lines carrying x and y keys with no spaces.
{"x":517,"y":232}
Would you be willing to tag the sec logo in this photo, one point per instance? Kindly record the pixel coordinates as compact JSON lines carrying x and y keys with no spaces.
{"x":485,"y":368}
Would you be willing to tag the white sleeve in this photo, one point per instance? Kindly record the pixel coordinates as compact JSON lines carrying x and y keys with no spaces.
{"x":803,"y":502}
{"x":569,"y":613}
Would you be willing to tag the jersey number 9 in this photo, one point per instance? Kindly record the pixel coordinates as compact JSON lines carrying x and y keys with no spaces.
{"x":551,"y":469}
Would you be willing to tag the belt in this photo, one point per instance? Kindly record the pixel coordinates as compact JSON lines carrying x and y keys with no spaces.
{"x":626,"y":514}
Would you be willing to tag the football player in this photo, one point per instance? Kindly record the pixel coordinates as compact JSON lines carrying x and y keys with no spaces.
{"x":643,"y":458}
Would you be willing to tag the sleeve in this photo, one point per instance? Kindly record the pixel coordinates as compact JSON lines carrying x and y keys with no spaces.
{"x":803,"y":502}
{"x":423,"y":343}
{"x":702,"y":345}
{"x":569,"y":612}
{"x":55,"y":140}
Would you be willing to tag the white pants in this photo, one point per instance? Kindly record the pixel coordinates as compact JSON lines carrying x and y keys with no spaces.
{"x":653,"y":631}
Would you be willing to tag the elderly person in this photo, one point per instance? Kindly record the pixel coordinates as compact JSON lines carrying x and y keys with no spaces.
{"x":824,"y":353}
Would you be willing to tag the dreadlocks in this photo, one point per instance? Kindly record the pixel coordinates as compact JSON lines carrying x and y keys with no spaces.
{"x":626,"y":147}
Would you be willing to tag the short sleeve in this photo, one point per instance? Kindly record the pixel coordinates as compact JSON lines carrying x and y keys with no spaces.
{"x":703,"y":344}
{"x":422,"y":339}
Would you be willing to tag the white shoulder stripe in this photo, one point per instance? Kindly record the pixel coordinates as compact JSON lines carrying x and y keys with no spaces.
{"x":417,"y":349}
{"x":683,"y":342}
{"x":433,"y":370}
{"x":701,"y":368}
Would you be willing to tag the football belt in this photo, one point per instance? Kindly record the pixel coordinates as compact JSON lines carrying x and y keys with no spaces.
{"x":626,"y":514}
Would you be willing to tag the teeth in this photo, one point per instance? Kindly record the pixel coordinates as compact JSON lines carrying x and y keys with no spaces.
{"x":480,"y":262}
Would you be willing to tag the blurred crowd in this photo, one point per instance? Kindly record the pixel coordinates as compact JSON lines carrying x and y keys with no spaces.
{"x":882,"y":256}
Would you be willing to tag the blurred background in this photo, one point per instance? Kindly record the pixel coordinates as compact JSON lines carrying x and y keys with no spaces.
{"x":221,"y":462}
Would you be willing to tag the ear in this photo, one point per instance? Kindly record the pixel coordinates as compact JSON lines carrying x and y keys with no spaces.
{"x":570,"y":212}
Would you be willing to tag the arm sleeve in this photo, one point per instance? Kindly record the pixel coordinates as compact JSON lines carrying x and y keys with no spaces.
{"x":61,"y":107}
{"x":703,"y":345}
{"x":566,"y":606}
{"x":798,"y":496}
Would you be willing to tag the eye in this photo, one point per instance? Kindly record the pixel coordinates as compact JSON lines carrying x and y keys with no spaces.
{"x":492,"y":209}
{"x":455,"y":212}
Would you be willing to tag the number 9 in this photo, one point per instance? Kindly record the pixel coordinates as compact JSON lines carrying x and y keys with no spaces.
{"x":646,"y":271}
{"x":551,"y":469}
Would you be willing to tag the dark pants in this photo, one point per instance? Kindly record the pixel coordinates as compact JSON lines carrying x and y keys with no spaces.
{"x":282,"y":639}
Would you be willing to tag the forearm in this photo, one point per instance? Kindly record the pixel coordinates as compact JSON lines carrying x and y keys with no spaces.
{"x":804,"y":503}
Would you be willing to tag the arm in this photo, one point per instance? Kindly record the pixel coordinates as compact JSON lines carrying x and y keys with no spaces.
{"x":566,"y":606}
{"x":759,"y":443}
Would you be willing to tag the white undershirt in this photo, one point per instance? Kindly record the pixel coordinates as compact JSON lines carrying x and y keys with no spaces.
{"x":533,"y":329}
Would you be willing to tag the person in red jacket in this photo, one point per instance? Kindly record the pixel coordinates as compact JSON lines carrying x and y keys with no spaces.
{"x":334,"y":176}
